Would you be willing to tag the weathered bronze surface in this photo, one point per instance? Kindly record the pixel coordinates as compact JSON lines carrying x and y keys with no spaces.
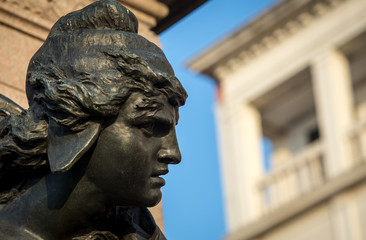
{"x":86,"y":159}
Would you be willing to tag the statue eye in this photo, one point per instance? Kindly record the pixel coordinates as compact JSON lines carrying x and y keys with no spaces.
{"x":149,"y":127}
{"x":155,"y":128}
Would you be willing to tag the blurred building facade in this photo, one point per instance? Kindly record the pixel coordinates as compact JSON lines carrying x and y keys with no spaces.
{"x":297,"y":76}
{"x":24,"y":25}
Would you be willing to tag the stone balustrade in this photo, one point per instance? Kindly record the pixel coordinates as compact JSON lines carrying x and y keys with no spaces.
{"x":297,"y":177}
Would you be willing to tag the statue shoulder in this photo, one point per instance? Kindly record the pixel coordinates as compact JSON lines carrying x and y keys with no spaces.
{"x":97,"y":235}
{"x":11,"y":232}
{"x":125,"y":224}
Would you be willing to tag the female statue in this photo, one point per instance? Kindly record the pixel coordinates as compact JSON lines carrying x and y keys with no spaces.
{"x":86,"y":159}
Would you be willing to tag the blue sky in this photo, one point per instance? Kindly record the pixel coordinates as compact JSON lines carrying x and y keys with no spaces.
{"x":193,"y":202}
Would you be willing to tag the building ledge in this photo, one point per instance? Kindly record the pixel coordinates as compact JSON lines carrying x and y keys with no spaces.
{"x":283,"y":214}
{"x":273,"y":26}
{"x":177,"y":10}
{"x":21,"y":20}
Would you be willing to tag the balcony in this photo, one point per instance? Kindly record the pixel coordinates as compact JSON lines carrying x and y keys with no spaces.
{"x":307,"y":172}
{"x":292,"y":180}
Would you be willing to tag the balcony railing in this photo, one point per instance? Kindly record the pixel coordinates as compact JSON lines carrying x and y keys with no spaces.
{"x":299,"y":176}
{"x":306,"y":171}
{"x":357,"y":142}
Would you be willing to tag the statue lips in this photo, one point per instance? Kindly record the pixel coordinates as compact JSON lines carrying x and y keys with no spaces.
{"x":156,"y":179}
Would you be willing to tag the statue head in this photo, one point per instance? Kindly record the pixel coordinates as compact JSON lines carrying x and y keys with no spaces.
{"x":97,"y":88}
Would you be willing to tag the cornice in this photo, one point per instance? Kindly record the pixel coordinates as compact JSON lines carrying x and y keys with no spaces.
{"x":148,"y":12}
{"x":36,"y":17}
{"x":263,"y":33}
{"x":49,"y":10}
{"x":153,"y":8}
{"x":154,"y":15}
{"x":21,"y":20}
{"x":177,"y":10}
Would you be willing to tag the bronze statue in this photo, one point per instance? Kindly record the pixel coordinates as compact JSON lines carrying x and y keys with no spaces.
{"x":86,"y":159}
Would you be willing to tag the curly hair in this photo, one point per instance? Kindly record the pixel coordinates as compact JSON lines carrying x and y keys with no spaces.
{"x":86,"y":69}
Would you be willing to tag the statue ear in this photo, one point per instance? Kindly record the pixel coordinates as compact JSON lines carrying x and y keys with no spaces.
{"x":66,"y":147}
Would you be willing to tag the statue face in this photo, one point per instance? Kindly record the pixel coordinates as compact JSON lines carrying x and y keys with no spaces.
{"x":133,"y":152}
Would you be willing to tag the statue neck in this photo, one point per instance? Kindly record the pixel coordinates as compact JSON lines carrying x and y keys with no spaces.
{"x":57,"y":206}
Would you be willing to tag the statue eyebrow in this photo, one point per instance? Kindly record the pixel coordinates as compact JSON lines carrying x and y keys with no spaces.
{"x":146,"y":114}
{"x":149,"y":107}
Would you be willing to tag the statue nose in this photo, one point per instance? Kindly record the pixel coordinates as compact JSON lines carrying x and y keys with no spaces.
{"x":170,"y":152}
{"x":170,"y":157}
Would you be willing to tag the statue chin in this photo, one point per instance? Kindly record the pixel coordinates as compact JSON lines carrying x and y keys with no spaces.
{"x":154,"y":200}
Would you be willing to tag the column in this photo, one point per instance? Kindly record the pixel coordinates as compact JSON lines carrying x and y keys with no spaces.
{"x":241,"y":161}
{"x":344,"y":215}
{"x":334,"y":105}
